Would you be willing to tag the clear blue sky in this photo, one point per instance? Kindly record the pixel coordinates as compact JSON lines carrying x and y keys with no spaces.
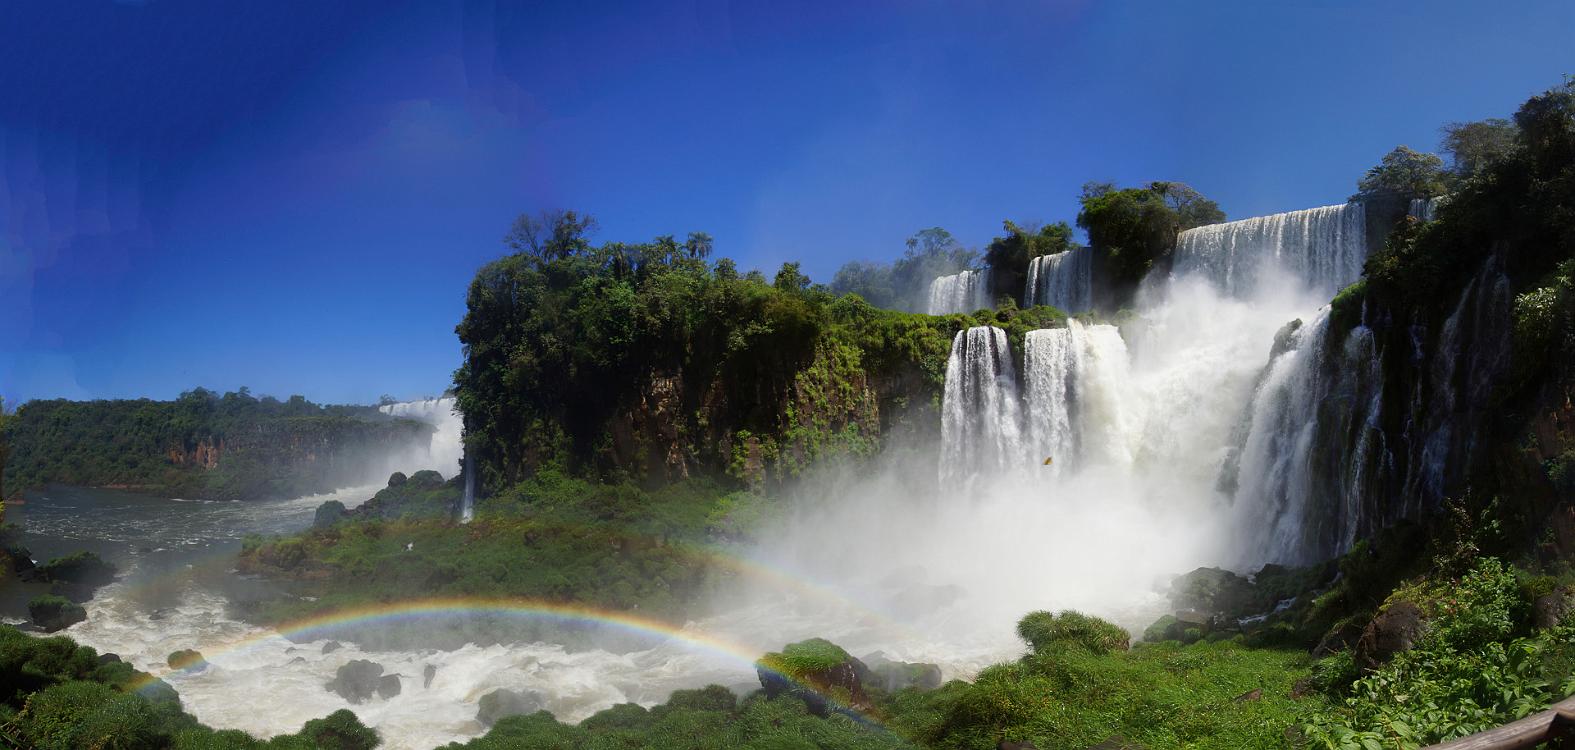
{"x":293,"y":197}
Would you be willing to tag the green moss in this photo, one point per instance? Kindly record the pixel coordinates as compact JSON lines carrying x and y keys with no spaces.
{"x":805,"y":657}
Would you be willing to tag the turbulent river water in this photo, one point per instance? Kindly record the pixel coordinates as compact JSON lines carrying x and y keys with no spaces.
{"x":177,"y":558}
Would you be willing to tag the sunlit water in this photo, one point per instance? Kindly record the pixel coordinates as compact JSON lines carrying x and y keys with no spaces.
{"x":178,"y":558}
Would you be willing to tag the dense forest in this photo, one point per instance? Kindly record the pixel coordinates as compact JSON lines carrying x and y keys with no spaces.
{"x":202,"y":444}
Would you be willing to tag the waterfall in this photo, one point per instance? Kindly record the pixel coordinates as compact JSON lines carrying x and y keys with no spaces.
{"x":979,"y":416}
{"x":962,"y":292}
{"x":1076,"y":387}
{"x":1299,"y":492}
{"x":1063,"y":280}
{"x":1322,"y":248}
{"x":1425,"y":209}
{"x":447,"y":448}
{"x":467,"y":503}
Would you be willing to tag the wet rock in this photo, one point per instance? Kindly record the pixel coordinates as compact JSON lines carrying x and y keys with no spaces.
{"x":427,"y":673}
{"x":108,"y":658}
{"x":1341,"y":636}
{"x":891,"y":676}
{"x":357,"y":681}
{"x":396,"y":479}
{"x":1551,"y":610}
{"x":328,"y":514}
{"x":502,"y":703}
{"x":52,"y":613}
{"x":332,"y":646}
{"x":1394,"y":630}
{"x":187,"y":659}
{"x":1215,"y":591}
{"x":811,"y":670}
{"x":388,"y":686}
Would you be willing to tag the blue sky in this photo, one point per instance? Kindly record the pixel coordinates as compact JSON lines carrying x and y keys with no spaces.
{"x":293,"y":197}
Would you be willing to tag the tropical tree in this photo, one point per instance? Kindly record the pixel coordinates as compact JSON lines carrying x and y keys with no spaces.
{"x":1472,"y":146}
{"x":1404,"y":173}
{"x":552,"y":235}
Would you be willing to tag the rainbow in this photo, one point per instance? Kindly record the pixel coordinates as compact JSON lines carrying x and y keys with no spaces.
{"x":319,"y":626}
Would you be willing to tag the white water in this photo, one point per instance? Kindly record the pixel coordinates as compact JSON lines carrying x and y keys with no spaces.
{"x":979,"y":417}
{"x":962,"y":292}
{"x":1078,"y":394}
{"x":1425,"y":209}
{"x":1323,"y":248}
{"x":1063,"y":280}
{"x":447,"y":448}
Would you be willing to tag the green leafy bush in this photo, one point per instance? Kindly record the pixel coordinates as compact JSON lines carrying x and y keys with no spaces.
{"x":1045,"y":631}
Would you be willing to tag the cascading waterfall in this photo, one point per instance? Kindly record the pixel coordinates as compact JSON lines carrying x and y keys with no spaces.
{"x":962,"y":292}
{"x":1299,"y":494}
{"x":447,"y":448}
{"x":979,"y":414}
{"x":1322,"y":248}
{"x":1076,"y":387}
{"x":1062,"y":280}
{"x":1425,"y":209}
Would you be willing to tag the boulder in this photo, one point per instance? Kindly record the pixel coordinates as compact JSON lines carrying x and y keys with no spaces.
{"x":187,"y":659}
{"x":108,"y":658}
{"x":503,"y":703}
{"x":328,"y":514}
{"x":332,"y":646}
{"x":52,"y":613}
{"x":388,"y":686}
{"x":1215,"y":591}
{"x":817,"y":672}
{"x":427,"y":673}
{"x":891,"y":676}
{"x":1552,"y":609}
{"x":357,"y":681}
{"x":397,"y":478}
{"x":1394,"y":630}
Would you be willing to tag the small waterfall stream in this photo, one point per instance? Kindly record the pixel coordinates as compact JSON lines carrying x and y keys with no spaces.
{"x":962,"y":292}
{"x":1062,"y":280}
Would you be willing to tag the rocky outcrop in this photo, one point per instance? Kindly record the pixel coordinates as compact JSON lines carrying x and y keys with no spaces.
{"x":1552,"y":610}
{"x":892,"y":676}
{"x":187,"y":659}
{"x":53,"y":613}
{"x":1397,"y":628}
{"x":502,"y":703}
{"x":817,"y":672}
{"x":359,"y":680}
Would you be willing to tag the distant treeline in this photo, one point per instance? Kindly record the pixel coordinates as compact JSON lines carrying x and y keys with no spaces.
{"x":202,"y":444}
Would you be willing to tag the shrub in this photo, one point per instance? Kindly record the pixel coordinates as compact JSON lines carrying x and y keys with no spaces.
{"x":75,"y":715}
{"x":340,"y":730}
{"x":1043,"y":630}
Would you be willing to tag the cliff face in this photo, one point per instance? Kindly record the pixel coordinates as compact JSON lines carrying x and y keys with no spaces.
{"x":1446,"y":377}
{"x":674,"y":428}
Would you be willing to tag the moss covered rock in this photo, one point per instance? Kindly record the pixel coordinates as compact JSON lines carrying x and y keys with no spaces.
{"x":54,"y":613}
{"x":817,"y":672}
